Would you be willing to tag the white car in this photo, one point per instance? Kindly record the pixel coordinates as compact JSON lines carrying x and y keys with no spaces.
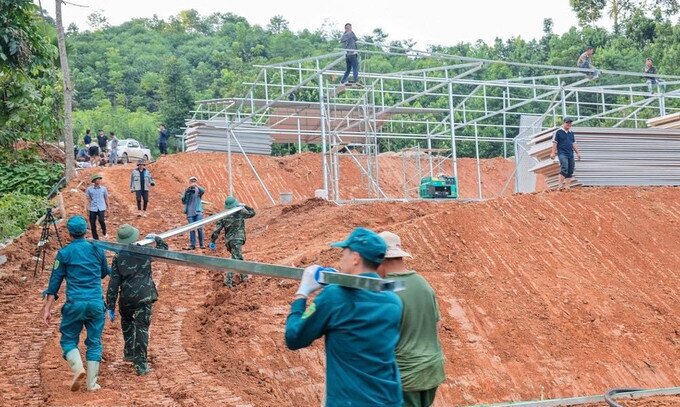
{"x":131,"y":150}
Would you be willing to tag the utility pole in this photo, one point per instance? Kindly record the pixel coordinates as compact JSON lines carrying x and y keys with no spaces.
{"x":70,"y":170}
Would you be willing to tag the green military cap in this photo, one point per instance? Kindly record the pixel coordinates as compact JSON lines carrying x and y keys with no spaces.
{"x":230,"y":202}
{"x":95,"y":177}
{"x":127,"y":234}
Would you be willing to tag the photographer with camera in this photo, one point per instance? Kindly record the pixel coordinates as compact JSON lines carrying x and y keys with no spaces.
{"x":193,"y":208}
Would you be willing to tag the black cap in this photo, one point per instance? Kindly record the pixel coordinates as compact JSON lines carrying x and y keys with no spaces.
{"x":568,"y":119}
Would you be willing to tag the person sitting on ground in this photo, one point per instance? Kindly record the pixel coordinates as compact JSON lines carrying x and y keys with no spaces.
{"x":102,"y":160}
{"x":585,"y":62}
{"x":234,"y":227}
{"x":83,"y":155}
{"x":131,"y":277}
{"x":361,"y":328}
{"x":419,"y":353}
{"x":93,"y":151}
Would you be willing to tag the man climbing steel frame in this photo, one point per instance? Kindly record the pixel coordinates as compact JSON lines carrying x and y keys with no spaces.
{"x":83,"y":266}
{"x":361,"y":328}
{"x":131,"y":277}
{"x":564,"y":146}
{"x":193,"y":208}
{"x":585,"y":62}
{"x":234,"y":227}
{"x":419,"y":353}
{"x":349,"y":43}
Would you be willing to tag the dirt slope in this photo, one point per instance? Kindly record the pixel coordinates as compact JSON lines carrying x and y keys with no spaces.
{"x":547,"y":295}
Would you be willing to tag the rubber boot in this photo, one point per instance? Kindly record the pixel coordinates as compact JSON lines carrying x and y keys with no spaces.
{"x":76,"y":365}
{"x":92,"y":376}
{"x":228,"y":279}
{"x":142,"y":369}
{"x":244,"y":278}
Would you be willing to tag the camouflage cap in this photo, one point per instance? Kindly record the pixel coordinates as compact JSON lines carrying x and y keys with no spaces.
{"x":127,"y":234}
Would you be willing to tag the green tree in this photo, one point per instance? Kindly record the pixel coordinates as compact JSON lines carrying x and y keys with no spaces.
{"x":277,"y":25}
{"x":28,"y":76}
{"x":176,"y":95}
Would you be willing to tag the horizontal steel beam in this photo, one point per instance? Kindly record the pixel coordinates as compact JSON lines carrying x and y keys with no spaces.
{"x":191,"y":226}
{"x":253,"y":268}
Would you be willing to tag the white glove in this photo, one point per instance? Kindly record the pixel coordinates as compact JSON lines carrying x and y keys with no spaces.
{"x":151,"y":236}
{"x":308,"y":285}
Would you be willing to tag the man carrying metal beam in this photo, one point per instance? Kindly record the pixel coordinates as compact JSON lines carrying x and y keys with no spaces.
{"x":131,"y":278}
{"x":83,"y":266}
{"x":419,"y":353}
{"x":361,"y":327}
{"x":564,"y":145}
{"x":234,"y":227}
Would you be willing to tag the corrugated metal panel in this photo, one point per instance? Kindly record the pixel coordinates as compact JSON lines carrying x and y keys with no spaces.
{"x":207,"y":135}
{"x":615,"y":157}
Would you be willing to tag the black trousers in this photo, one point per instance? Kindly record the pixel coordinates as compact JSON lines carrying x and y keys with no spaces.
{"x":142,"y":195}
{"x":163,"y":147}
{"x":94,"y":216}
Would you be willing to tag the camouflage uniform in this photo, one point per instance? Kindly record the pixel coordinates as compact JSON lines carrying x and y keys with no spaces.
{"x":131,"y":275}
{"x":234,"y":235}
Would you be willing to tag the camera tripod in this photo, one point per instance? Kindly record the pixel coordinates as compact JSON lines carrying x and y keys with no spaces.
{"x":44,"y":238}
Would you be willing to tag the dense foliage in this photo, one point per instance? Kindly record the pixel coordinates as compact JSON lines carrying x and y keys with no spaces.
{"x":29,"y":81}
{"x":17,"y":211}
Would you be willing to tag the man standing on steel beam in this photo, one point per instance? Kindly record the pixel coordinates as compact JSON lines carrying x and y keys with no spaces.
{"x":234,"y":227}
{"x":193,"y":208}
{"x":585,"y":62}
{"x":131,"y":277}
{"x":361,"y":328}
{"x":564,"y":146}
{"x":349,"y":44}
{"x":83,"y":266}
{"x":419,"y":353}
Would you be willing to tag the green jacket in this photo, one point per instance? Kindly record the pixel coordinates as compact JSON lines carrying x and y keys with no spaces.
{"x":234,"y":225}
{"x":131,"y":277}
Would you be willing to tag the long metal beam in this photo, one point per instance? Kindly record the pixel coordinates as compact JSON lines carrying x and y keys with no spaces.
{"x":191,"y":226}
{"x":253,"y":268}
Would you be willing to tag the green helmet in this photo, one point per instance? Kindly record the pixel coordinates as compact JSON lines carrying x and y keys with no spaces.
{"x":96,"y":177}
{"x":127,"y":234}
{"x":230,"y":202}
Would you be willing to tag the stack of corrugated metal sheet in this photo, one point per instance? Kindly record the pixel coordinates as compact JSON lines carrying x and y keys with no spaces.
{"x":670,"y":121}
{"x":615,"y":156}
{"x":212,"y":135}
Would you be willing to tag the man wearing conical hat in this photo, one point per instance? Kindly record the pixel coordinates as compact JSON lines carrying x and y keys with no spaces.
{"x":234,"y":227}
{"x":132,"y":286}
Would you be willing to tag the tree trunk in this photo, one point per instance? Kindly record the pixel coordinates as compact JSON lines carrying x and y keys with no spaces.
{"x":70,"y":171}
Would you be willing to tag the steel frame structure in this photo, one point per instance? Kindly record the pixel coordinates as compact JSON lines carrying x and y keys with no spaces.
{"x":449,"y":103}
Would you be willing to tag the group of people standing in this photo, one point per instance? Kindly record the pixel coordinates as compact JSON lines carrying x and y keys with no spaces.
{"x":97,"y":152}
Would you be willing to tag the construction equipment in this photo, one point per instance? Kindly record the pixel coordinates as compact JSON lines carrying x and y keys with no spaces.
{"x":254,"y":268}
{"x":438,"y":187}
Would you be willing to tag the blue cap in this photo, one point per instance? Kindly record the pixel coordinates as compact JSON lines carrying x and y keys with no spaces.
{"x":76,"y":225}
{"x":365,"y":242}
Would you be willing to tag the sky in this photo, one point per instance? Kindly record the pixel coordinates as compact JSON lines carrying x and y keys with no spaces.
{"x":442,"y":22}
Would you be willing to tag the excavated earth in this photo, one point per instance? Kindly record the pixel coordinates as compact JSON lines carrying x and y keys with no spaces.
{"x":546,"y":295}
